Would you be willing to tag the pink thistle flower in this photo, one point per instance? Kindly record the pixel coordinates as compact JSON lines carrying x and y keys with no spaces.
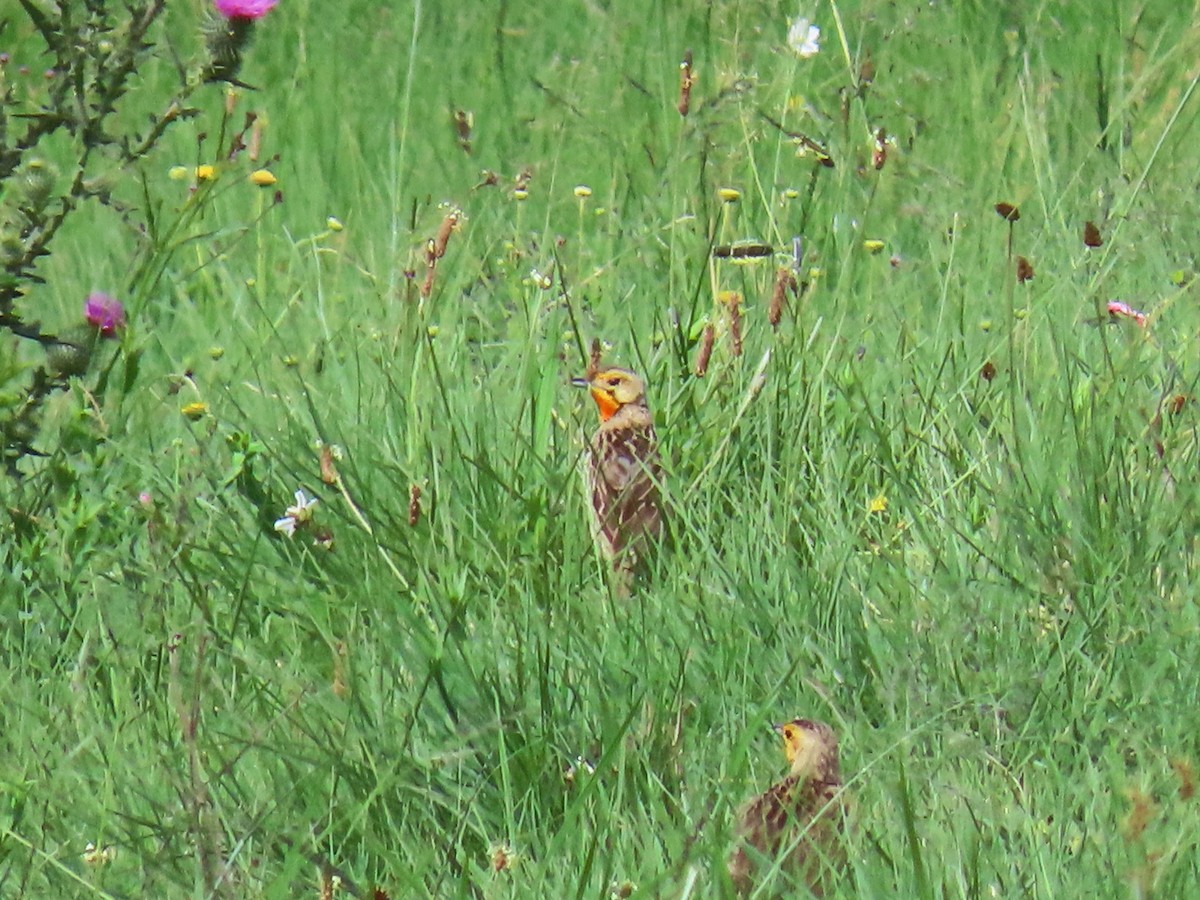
{"x":245,"y":9}
{"x":105,"y":313}
{"x":1117,"y":309}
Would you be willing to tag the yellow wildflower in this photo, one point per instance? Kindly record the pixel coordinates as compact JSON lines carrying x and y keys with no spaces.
{"x":194,"y":411}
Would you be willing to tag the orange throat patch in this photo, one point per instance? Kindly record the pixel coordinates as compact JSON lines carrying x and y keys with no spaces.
{"x":605,"y":403}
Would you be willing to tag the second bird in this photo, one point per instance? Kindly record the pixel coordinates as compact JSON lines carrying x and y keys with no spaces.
{"x":623,"y":470}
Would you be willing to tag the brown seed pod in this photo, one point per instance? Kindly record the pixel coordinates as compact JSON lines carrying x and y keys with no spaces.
{"x":735,"y":325}
{"x":784,"y":281}
{"x":464,"y":124}
{"x":1024,"y":270}
{"x":431,"y":259}
{"x":687,"y":78}
{"x":879,"y":153}
{"x":1091,"y":235}
{"x":742,"y":250}
{"x":449,"y":224}
{"x":329,"y":472}
{"x":1008,"y":212}
{"x":414,"y":505}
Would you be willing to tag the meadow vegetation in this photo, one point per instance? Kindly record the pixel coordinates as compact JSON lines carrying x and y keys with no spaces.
{"x":949,"y":511}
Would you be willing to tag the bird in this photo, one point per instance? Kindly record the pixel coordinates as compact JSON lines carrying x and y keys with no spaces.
{"x":798,"y":821}
{"x":623,"y":470}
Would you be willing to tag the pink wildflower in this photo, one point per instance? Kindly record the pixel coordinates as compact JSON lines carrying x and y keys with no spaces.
{"x":1117,"y":309}
{"x":105,"y":313}
{"x":245,"y":9}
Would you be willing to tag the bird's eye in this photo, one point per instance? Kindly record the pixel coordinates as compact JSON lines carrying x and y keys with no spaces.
{"x":613,"y":382}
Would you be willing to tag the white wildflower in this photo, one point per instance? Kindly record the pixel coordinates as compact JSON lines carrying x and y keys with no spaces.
{"x":299,"y":514}
{"x":804,"y":38}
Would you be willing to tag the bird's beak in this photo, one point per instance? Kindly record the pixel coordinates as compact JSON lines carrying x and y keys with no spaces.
{"x":778,"y":729}
{"x":581,"y":382}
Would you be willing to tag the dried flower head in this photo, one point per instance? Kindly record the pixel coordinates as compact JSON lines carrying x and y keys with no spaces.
{"x":1008,"y":212}
{"x":1024,"y":270}
{"x":784,"y":281}
{"x":329,"y":472}
{"x":1091,"y":235}
{"x":503,"y":858}
{"x":1141,"y":813}
{"x":450,"y":223}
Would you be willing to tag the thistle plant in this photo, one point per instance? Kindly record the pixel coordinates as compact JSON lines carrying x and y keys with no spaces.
{"x":66,"y":141}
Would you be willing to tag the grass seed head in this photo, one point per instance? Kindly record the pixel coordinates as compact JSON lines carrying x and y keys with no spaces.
{"x":687,"y":79}
{"x":414,"y":505}
{"x":704,"y":353}
{"x":784,"y":281}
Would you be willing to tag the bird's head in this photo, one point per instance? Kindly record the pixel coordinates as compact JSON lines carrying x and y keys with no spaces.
{"x":811,"y":748}
{"x":612,"y":389}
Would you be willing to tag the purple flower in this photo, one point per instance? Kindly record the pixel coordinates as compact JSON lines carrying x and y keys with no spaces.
{"x":245,"y":9}
{"x":104,"y":312}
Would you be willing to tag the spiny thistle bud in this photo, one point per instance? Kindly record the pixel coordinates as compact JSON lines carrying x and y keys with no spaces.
{"x":37,"y":181}
{"x":12,"y":247}
{"x":72,"y":354}
{"x":227,"y":35}
{"x":226,"y":39}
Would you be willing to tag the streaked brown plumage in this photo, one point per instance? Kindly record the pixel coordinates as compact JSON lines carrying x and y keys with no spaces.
{"x":623,"y":469}
{"x":800,"y":819}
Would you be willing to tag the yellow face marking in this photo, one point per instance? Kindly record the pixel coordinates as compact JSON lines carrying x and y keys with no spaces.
{"x":612,"y":389}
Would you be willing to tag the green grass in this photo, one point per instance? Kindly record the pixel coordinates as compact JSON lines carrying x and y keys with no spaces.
{"x":1007,"y":650}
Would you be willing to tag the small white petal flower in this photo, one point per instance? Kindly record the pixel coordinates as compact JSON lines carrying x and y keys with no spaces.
{"x":286,"y":525}
{"x":804,"y":38}
{"x":302,"y":511}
